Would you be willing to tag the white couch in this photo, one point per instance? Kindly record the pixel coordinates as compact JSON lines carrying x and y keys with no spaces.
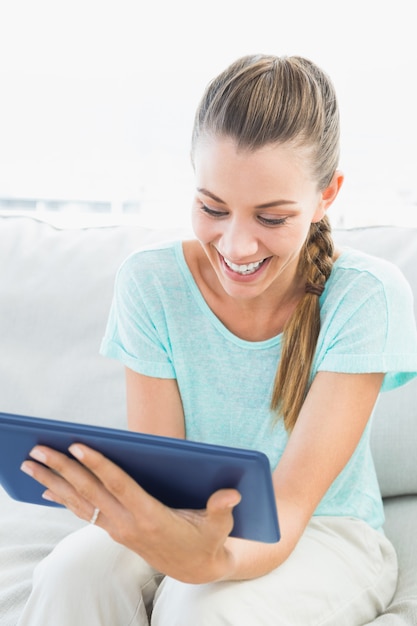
{"x":55,"y":292}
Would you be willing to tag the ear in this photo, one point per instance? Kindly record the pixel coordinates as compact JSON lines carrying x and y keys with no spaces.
{"x":329,"y":195}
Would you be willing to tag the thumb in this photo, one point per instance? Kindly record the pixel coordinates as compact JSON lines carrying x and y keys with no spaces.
{"x":223,"y":501}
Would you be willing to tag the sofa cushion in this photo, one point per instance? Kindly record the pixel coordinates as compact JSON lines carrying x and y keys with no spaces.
{"x":400,"y":527}
{"x":28,"y":533}
{"x":56,"y":288}
{"x":394,"y":441}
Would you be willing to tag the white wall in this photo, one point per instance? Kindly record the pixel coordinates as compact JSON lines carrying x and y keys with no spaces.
{"x":97,"y":97}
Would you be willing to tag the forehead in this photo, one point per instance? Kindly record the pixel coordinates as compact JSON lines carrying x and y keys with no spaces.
{"x":220,"y":162}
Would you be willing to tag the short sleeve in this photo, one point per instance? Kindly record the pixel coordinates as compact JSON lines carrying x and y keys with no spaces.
{"x":137,"y":332}
{"x":368,"y":325}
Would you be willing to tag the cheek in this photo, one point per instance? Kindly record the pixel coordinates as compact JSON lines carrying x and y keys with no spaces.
{"x":203,"y":228}
{"x":288,"y":242}
{"x":196,"y":225}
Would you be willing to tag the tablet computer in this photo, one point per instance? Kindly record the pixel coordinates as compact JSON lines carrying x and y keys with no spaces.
{"x":179,"y":473}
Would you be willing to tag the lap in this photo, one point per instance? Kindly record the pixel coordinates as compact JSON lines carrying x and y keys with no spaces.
{"x":342,"y":572}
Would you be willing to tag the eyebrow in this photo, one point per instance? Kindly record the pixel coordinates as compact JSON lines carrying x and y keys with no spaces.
{"x":265,"y":205}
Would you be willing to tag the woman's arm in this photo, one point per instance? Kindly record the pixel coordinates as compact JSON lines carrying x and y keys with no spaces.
{"x":331,"y":422}
{"x":154,"y":405}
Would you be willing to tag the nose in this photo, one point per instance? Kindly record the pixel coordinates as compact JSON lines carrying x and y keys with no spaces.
{"x":238,"y":242}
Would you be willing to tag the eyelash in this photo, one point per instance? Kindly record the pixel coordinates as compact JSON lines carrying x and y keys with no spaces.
{"x":212,"y":212}
{"x":279,"y":221}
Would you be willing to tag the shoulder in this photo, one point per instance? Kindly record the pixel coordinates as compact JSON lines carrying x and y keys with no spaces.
{"x":368,"y":289}
{"x":160,"y":262}
{"x":368,"y":322}
{"x":368,"y":295}
{"x":362,"y":273}
{"x":150,"y":256}
{"x":153,"y":275}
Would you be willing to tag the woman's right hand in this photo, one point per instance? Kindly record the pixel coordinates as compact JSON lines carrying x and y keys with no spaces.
{"x":188,"y":545}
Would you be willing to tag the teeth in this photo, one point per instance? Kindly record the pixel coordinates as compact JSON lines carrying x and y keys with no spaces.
{"x":244,"y":269}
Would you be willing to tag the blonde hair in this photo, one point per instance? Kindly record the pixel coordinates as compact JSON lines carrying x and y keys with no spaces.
{"x":260,"y":100}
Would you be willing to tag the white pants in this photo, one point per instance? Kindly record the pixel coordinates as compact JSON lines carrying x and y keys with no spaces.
{"x":342,"y":573}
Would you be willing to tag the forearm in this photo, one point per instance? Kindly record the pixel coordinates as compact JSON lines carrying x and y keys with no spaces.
{"x":252,"y":559}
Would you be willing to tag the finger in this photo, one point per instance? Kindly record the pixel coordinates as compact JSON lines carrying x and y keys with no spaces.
{"x":68,"y":482}
{"x":220,"y":507}
{"x":58,"y":489}
{"x":222,"y":501}
{"x":85,"y":481}
{"x":117,"y":482}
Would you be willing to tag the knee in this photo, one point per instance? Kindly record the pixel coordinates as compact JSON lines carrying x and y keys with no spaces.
{"x":181,"y":604}
{"x":80,"y":560}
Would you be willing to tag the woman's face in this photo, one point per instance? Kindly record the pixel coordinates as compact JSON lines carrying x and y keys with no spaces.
{"x":252,"y":213}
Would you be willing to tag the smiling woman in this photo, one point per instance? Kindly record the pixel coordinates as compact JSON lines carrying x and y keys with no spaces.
{"x":255,"y":334}
{"x":266,"y":207}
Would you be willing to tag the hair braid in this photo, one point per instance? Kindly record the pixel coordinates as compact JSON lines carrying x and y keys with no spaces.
{"x":302,"y":329}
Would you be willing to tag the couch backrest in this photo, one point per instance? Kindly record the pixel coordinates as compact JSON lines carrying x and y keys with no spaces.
{"x":55,"y":293}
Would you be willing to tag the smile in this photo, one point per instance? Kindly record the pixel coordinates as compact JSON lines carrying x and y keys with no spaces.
{"x":249,"y":268}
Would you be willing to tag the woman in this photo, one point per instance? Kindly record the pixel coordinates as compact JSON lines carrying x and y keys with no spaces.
{"x":258,"y":333}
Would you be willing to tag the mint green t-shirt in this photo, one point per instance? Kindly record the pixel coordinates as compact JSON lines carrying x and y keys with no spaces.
{"x":160,"y":325}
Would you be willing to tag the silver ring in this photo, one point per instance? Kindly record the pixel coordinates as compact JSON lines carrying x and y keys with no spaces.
{"x":95,"y":515}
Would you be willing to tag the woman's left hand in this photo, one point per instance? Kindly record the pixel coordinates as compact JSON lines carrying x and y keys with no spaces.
{"x":188,"y":545}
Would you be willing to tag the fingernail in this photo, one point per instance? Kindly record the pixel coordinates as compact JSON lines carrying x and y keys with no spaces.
{"x":26,"y":469}
{"x":38,"y":455}
{"x":47,"y":496}
{"x":236,"y":502}
{"x":76,"y":451}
